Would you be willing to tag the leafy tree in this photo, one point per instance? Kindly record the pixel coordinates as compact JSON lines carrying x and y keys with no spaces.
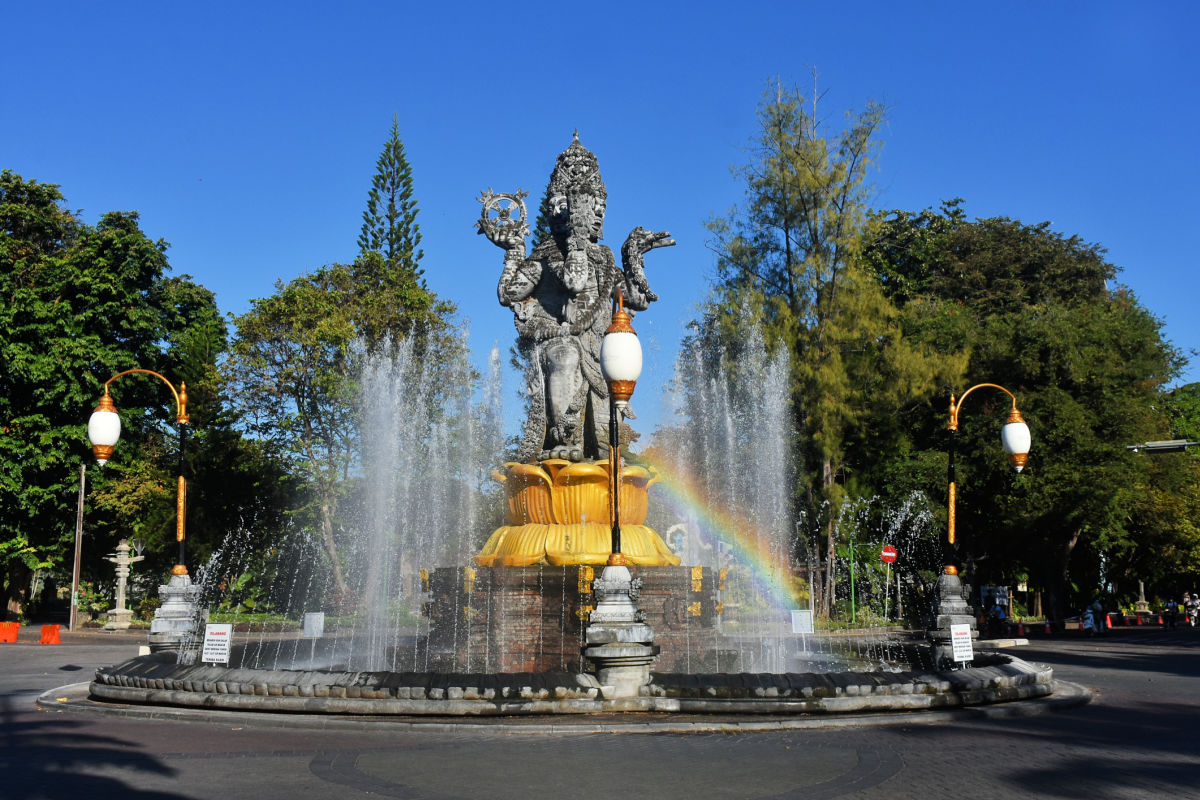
{"x":294,"y":368}
{"x":1164,"y":522}
{"x":793,"y":256}
{"x":291,"y":367}
{"x":1184,"y":410}
{"x":1036,"y":312}
{"x":78,"y":304}
{"x":390,"y":219}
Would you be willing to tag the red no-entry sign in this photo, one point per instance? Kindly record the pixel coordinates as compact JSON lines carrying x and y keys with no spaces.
{"x":888,"y":554}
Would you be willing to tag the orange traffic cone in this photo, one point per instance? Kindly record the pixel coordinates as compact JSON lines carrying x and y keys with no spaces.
{"x":50,"y":634}
{"x":1020,"y":629}
{"x":1139,"y":618}
{"x":1108,"y":621}
{"x":1160,"y":622}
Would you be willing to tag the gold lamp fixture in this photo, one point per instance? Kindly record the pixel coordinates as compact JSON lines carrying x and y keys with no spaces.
{"x":621,"y":365}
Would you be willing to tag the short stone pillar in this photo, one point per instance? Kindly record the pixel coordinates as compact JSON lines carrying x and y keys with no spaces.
{"x":952,"y":609}
{"x":1142,"y":606}
{"x":619,"y":642}
{"x":120,"y":617}
{"x":176,"y":619}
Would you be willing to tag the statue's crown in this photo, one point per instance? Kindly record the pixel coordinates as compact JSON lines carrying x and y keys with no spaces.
{"x":577,"y":169}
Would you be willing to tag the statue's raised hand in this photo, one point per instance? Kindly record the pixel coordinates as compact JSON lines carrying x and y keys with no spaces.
{"x":503,"y":218}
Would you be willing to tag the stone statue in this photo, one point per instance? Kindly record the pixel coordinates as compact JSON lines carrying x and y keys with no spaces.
{"x":561,"y":297}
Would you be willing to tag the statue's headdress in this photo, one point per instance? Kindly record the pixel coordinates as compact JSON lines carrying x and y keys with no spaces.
{"x":576,"y":169}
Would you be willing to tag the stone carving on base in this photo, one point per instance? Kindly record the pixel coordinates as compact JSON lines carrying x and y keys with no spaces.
{"x":560,"y":295}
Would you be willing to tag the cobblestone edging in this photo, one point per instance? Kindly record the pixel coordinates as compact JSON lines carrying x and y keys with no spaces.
{"x":154,"y":680}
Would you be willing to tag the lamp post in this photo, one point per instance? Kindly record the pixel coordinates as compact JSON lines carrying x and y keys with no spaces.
{"x":952,"y":607}
{"x":175,"y":620}
{"x":104,"y":430}
{"x":618,"y":642}
{"x":621,"y":365}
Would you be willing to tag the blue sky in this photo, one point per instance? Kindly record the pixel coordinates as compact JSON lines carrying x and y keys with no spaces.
{"x":246,"y":134}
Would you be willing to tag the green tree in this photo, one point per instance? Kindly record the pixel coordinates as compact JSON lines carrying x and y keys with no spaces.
{"x":1184,"y":410}
{"x":78,"y":304}
{"x":792,"y":258}
{"x":390,"y":219}
{"x":1164,"y":522}
{"x":541,"y":224}
{"x":1037,"y":313}
{"x":294,"y":367}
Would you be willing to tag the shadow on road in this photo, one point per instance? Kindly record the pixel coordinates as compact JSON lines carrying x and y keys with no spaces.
{"x":1122,"y":745}
{"x":48,"y":756}
{"x":1162,"y":653}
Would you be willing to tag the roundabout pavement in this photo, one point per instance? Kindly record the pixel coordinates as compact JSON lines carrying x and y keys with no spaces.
{"x":1134,"y":740}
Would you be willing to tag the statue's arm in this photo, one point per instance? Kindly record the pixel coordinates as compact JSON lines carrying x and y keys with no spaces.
{"x":638,"y":294}
{"x":519,"y":276}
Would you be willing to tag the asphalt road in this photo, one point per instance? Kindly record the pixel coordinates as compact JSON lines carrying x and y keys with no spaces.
{"x":1139,"y":738}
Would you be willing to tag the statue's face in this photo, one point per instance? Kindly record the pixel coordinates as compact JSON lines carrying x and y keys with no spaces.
{"x":559,"y":211}
{"x":600,"y":205}
{"x":578,"y":214}
{"x":586,"y":215}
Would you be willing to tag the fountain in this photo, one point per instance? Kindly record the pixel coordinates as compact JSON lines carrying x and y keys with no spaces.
{"x":545,"y":614}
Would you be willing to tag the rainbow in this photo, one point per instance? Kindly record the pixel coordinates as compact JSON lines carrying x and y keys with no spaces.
{"x":749,"y":544}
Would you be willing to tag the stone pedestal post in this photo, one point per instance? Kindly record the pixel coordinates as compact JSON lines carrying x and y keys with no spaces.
{"x":177,"y":617}
{"x":619,"y":642}
{"x":952,"y":609}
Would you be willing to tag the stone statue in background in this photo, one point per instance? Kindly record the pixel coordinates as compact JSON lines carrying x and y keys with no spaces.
{"x":561,"y":297}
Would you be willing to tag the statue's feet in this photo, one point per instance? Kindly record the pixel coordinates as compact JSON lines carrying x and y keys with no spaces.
{"x":566,"y":452}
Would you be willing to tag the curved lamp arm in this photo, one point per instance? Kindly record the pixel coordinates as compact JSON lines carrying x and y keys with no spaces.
{"x":180,"y":396}
{"x":1014,"y":437}
{"x":104,"y":429}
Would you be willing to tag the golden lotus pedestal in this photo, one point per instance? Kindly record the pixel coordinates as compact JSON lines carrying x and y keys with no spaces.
{"x":558,"y":512}
{"x":525,"y":605}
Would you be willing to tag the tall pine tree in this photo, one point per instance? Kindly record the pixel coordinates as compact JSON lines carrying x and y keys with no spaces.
{"x":390,"y":220}
{"x":792,"y":255}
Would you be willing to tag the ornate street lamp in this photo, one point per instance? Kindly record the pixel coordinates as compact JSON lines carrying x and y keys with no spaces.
{"x":952,"y":613}
{"x":1014,"y":437}
{"x":621,"y":364}
{"x":104,"y":430}
{"x":617,"y":641}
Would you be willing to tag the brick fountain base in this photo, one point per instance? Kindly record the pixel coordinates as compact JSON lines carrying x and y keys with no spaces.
{"x":532,"y":619}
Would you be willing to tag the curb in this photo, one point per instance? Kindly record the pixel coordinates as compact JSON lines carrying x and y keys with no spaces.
{"x":74,"y":698}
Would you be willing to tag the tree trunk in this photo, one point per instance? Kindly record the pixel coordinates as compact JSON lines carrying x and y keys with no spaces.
{"x":339,"y":579}
{"x":830,"y":543}
{"x":1062,"y":577}
{"x":16,"y":591}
